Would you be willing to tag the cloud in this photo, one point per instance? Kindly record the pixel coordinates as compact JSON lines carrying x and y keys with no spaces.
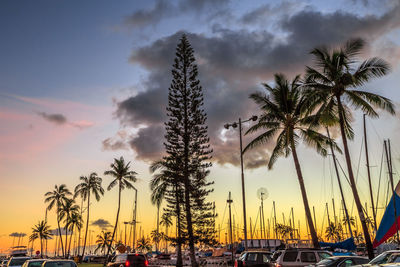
{"x":232,"y":64}
{"x":62,"y":231}
{"x":58,"y":119}
{"x":16,"y":234}
{"x":163,"y":9}
{"x":103,"y":224}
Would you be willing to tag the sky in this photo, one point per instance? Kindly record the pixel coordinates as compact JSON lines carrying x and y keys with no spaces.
{"x":84,"y":82}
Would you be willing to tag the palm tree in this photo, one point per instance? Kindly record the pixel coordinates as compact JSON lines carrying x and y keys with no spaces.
{"x":144,"y":245}
{"x":41,"y":231}
{"x":75,"y":221}
{"x":66,"y":211}
{"x":158,"y":190}
{"x":334,"y":84}
{"x":57,"y":198}
{"x":284,"y":114}
{"x":156,"y":237}
{"x":166,"y":222}
{"x":103,"y":240}
{"x":166,"y":179}
{"x":123,"y":177}
{"x":89,"y":185}
{"x":332,"y":232}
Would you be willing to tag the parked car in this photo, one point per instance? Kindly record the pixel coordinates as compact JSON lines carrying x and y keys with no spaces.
{"x":59,"y":263}
{"x":341,"y":261}
{"x":3,"y":263}
{"x":254,"y":258}
{"x":163,"y":256}
{"x":380,"y":259}
{"x":129,"y":260}
{"x":301,"y":257}
{"x":17,"y":261}
{"x":33,"y":263}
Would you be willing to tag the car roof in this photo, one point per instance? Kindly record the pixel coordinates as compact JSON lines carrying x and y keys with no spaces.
{"x":32,"y":260}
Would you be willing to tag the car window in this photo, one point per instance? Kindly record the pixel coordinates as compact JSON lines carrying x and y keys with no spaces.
{"x":290,"y":256}
{"x":346,"y":263}
{"x":120,"y":258}
{"x":382,"y":258}
{"x":252,"y":257}
{"x":265,"y":258}
{"x":17,"y":262}
{"x":308,"y":257}
{"x":35,"y":264}
{"x":59,"y":264}
{"x":394,"y":259}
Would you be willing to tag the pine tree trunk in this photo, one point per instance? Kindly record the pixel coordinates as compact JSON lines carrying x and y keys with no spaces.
{"x":116,"y":222}
{"x":59,"y":233}
{"x":186,"y":174}
{"x":353,"y":183}
{"x":179,"y":262}
{"x":313,"y":233}
{"x":87,"y":227}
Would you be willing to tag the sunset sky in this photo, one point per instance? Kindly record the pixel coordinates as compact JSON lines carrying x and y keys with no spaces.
{"x":83,"y":82}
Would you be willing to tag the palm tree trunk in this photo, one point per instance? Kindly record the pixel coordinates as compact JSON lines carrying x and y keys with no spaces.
{"x":59,"y":233}
{"x":352,"y":181}
{"x":79,"y":235}
{"x":41,"y":248}
{"x":313,"y":233}
{"x":66,"y":237}
{"x":87,"y":227}
{"x":166,"y":239}
{"x":69,"y":247}
{"x":158,"y":223}
{"x":116,"y":220}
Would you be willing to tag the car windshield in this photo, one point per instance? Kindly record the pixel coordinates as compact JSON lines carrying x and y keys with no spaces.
{"x":382,"y":258}
{"x":326,"y":262}
{"x":394,"y":258}
{"x":17,"y":262}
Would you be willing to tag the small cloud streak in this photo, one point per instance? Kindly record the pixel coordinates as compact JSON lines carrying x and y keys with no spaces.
{"x":103,"y":224}
{"x":60,"y":119}
{"x":16,"y":234}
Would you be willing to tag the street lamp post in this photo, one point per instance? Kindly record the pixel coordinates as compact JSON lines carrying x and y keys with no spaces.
{"x":235,"y":125}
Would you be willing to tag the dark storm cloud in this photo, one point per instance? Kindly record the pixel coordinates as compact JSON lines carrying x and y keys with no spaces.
{"x":163,"y":9}
{"x":232,"y":64}
{"x":103,"y":224}
{"x":58,"y":119}
{"x":148,"y":143}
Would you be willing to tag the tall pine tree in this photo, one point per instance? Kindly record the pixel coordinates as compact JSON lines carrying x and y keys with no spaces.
{"x":187,"y":142}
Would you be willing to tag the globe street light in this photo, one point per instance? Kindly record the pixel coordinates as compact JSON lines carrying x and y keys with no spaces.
{"x":235,"y":125}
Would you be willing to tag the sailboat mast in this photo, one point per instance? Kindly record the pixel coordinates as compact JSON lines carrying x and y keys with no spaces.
{"x":369,"y":174}
{"x":389,"y":165}
{"x":340,"y":186}
{"x":276,"y":231}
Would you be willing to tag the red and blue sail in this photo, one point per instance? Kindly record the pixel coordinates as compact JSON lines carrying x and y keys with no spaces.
{"x":390,"y":222}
